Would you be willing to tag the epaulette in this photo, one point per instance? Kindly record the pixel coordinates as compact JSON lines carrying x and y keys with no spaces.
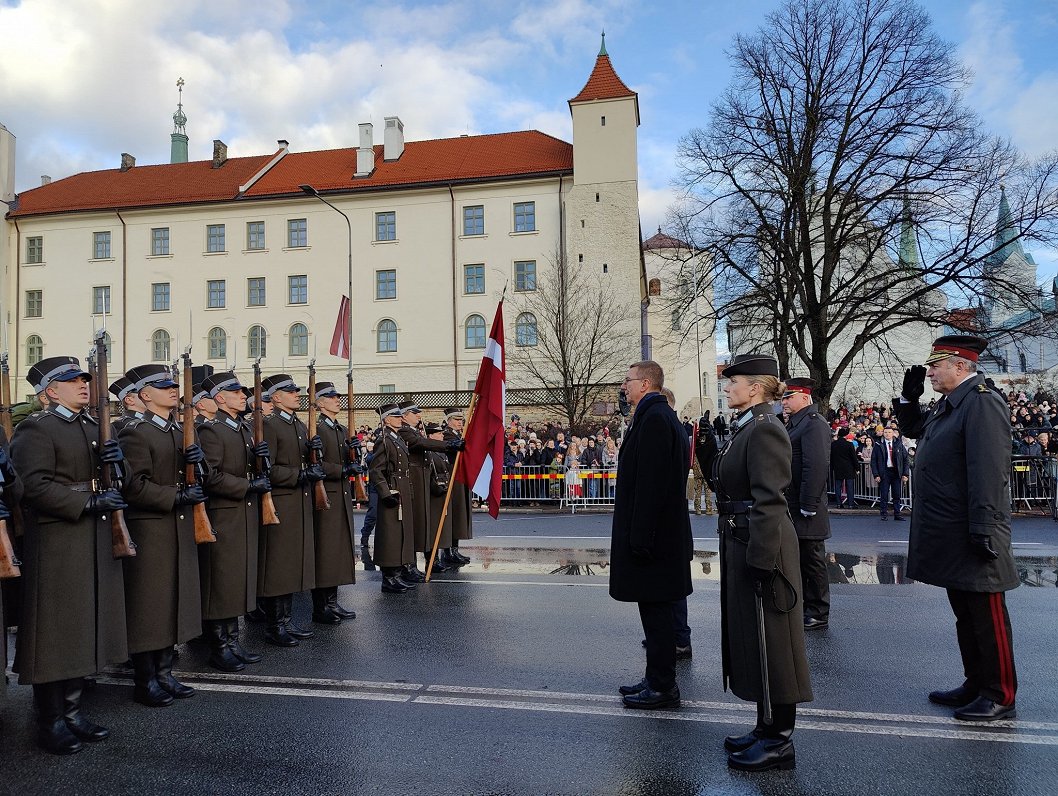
{"x":983,"y":388}
{"x":37,"y":415}
{"x":133,"y":423}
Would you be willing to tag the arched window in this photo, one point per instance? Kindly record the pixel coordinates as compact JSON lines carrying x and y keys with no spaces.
{"x":218,"y":343}
{"x":160,"y":341}
{"x":257,"y":339}
{"x":34,"y":349}
{"x":654,"y":287}
{"x":387,"y":336}
{"x":475,"y":332}
{"x":299,"y":340}
{"x":525,"y":329}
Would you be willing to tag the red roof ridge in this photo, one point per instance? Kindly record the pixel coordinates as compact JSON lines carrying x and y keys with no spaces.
{"x":603,"y":83}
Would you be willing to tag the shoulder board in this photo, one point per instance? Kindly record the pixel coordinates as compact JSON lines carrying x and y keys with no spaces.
{"x":983,"y":388}
{"x":133,"y":423}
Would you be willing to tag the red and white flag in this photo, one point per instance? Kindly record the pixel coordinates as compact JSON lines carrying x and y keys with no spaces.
{"x":340,"y":338}
{"x":481,"y":465}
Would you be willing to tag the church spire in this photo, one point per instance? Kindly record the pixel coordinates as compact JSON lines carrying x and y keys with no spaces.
{"x":908,"y":240}
{"x":178,"y":151}
{"x":602,"y":49}
{"x":1006,"y":241}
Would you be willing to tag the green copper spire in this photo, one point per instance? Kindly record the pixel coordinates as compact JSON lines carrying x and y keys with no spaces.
{"x":1006,"y":241}
{"x":908,"y":241}
{"x":602,"y":49}
{"x":178,"y":151}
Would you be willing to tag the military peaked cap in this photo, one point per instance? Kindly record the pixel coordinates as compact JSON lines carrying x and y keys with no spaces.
{"x":55,"y":369}
{"x":220,"y":382}
{"x":409,"y":406}
{"x":121,"y":387}
{"x":325,"y":389}
{"x":752,"y":365}
{"x":280,"y":381}
{"x":433,"y":428}
{"x":798,"y":385}
{"x":150,"y":376}
{"x":389,"y":410}
{"x":966,"y":346}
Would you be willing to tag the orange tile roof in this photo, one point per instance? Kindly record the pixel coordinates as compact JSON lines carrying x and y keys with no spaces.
{"x":603,"y":83}
{"x":663,"y":241}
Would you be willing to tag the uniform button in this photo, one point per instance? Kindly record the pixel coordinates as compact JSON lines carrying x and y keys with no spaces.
{"x":181,"y":516}
{"x":249,"y":504}
{"x":103,"y":517}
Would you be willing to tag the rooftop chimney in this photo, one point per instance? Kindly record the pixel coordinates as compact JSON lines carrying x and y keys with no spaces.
{"x":45,"y":179}
{"x":283,"y":143}
{"x":393,"y":138}
{"x":220,"y":153}
{"x":127,"y":161}
{"x":365,"y":154}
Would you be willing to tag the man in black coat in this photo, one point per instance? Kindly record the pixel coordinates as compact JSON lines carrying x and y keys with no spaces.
{"x":960,"y":528}
{"x":845,"y":464}
{"x":807,"y":497}
{"x":891,"y":468}
{"x":651,"y":545}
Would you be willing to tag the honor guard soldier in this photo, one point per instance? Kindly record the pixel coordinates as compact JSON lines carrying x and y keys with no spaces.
{"x":228,"y":567}
{"x":807,"y":497}
{"x":73,"y":617}
{"x":460,"y":505}
{"x":335,"y":534}
{"x":132,"y":407}
{"x":438,"y":479}
{"x":163,"y":604}
{"x":960,"y":526}
{"x":390,"y":473}
{"x":204,"y":406}
{"x":287,"y":559}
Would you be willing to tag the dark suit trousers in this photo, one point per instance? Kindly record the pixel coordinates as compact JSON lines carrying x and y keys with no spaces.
{"x":660,"y":634}
{"x":815,"y":583}
{"x":890,"y":484}
{"x":985,"y":642}
{"x":679,"y":623}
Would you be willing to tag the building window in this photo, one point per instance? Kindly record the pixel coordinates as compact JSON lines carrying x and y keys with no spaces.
{"x":654,"y":287}
{"x":386,"y":226}
{"x":101,"y":245}
{"x":160,"y":341}
{"x":525,"y":329}
{"x":255,"y":240}
{"x":299,"y":340}
{"x":474,"y":220}
{"x":525,"y":275}
{"x":386,"y":284}
{"x":159,"y":241}
{"x":255,"y":291}
{"x":215,"y":238}
{"x":218,"y":343}
{"x":475,"y":332}
{"x":298,"y":289}
{"x":525,"y":216}
{"x":34,"y":303}
{"x":34,"y":349}
{"x":297,"y":233}
{"x":160,"y":297}
{"x":387,"y":336}
{"x":474,"y":278}
{"x":101,"y":300}
{"x":387,"y":388}
{"x":257,"y":342}
{"x":34,"y":250}
{"x":215,"y":294}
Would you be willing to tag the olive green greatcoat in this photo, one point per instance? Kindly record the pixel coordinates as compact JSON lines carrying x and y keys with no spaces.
{"x":390,"y":471}
{"x":335,"y":535}
{"x":755,"y":466}
{"x":228,"y":566}
{"x":461,"y":508}
{"x":163,"y":601}
{"x":12,"y":496}
{"x":287,"y":556}
{"x":418,"y":445}
{"x":437,"y":468}
{"x":73,"y":611}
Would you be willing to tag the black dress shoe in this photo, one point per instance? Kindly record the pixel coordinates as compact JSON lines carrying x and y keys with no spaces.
{"x":884,"y":518}
{"x":764,"y":755}
{"x":277,"y":634}
{"x":408,"y":584}
{"x":627,"y":690}
{"x":297,"y":632}
{"x":649,"y":699}
{"x":985,"y":709}
{"x":393,"y":586}
{"x":956,"y":698}
{"x":812,"y":623}
{"x":738,"y":743}
{"x":326,"y":617}
{"x":898,"y":518}
{"x":460,"y":557}
{"x":682,"y":653}
{"x":57,"y":738}
{"x":412,"y":574}
{"x":344,"y":613}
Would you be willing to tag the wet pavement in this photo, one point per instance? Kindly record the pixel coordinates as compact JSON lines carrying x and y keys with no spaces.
{"x":502,"y":680}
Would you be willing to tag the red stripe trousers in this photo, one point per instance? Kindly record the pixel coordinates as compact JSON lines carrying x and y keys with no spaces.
{"x":985,"y":642}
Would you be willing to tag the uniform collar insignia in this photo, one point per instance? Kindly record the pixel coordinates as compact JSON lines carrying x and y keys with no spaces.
{"x":328,"y":422}
{"x":63,"y":412}
{"x":287,"y":416}
{"x":231,"y":422}
{"x":161,"y":422}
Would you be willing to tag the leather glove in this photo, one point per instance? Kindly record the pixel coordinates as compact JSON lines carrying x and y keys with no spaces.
{"x":5,"y":513}
{"x":314,"y":473}
{"x":259,"y":484}
{"x":190,"y":495}
{"x":392,"y":499}
{"x":315,"y":443}
{"x":705,"y":417}
{"x":193,"y":454}
{"x":457,"y":444}
{"x":261,"y":451}
{"x":914,"y":383}
{"x":349,"y":468}
{"x":761,"y":579}
{"x":108,"y":500}
{"x":981,"y":544}
{"x":110,"y":452}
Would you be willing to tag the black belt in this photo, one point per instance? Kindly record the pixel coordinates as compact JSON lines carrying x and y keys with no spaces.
{"x":83,"y":486}
{"x":734,"y":506}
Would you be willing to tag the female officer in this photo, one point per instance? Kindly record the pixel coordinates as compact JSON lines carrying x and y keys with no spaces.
{"x":759,"y":556}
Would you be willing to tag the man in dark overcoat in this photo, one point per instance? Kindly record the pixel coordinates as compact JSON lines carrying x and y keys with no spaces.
{"x":845,"y":464}
{"x":287,"y":556}
{"x":163,"y":601}
{"x":228,"y":567}
{"x":960,"y":526}
{"x":461,"y":506}
{"x":651,"y":545}
{"x":73,"y":611}
{"x":807,"y":497}
{"x":390,"y":473}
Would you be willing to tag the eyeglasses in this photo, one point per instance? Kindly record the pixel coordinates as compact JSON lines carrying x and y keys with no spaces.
{"x":628,"y":379}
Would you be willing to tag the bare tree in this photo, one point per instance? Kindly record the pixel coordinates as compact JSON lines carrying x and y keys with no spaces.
{"x":573,"y":336}
{"x":844,"y":192}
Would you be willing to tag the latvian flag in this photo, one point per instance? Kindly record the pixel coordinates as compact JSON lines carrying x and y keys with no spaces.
{"x":481,"y":465}
{"x":340,"y":338}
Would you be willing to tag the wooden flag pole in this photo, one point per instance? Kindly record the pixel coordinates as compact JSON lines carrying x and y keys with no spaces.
{"x":451,"y":483}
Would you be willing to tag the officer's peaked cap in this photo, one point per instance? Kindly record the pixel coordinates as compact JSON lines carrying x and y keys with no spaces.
{"x":752,"y":365}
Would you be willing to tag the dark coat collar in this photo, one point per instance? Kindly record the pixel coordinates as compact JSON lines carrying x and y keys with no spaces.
{"x":68,"y":414}
{"x":956,"y":396}
{"x":164,"y":423}
{"x":797,"y":417}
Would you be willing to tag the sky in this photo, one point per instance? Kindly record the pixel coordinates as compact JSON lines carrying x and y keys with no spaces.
{"x":82,"y":81}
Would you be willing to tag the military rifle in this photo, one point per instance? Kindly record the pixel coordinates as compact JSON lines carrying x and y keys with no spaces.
{"x":194,"y":473}
{"x":264,"y":466}
{"x":320,"y":500}
{"x":121,"y":543}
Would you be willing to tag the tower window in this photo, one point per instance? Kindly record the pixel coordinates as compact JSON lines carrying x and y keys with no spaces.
{"x":605,"y":268}
{"x":580,"y":258}
{"x":596,"y":197}
{"x":603,"y":120}
{"x":582,"y":223}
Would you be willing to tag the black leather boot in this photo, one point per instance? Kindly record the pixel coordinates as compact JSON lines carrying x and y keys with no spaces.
{"x":52,"y":733}
{"x":220,"y":654}
{"x":365,"y":556}
{"x":332,"y":601}
{"x":391,"y":582}
{"x":75,"y":722}
{"x":459,"y":556}
{"x":449,"y":559}
{"x":322,"y":614}
{"x":257,"y":615}
{"x":231,"y":630}
{"x":287,"y":601}
{"x":275,"y":628}
{"x":410,"y":573}
{"x":775,"y":749}
{"x":163,"y":675}
{"x":736,"y":743}
{"x":147,"y":691}
{"x":440,"y":564}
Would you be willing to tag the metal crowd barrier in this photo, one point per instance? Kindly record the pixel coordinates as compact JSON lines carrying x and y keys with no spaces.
{"x":567,"y":487}
{"x":590,"y":486}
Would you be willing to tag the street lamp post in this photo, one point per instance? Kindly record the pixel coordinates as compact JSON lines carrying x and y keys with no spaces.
{"x":349,"y":319}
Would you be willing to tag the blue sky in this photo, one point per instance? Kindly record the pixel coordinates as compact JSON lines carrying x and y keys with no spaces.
{"x":82,"y":82}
